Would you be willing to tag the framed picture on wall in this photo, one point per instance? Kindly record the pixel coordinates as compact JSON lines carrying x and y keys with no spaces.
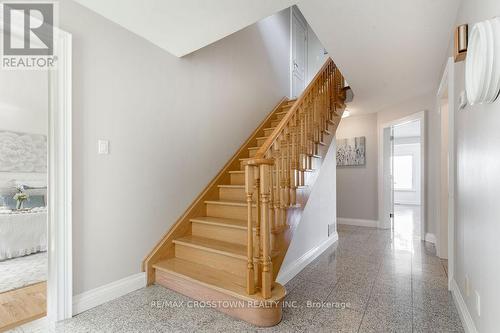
{"x":351,"y":151}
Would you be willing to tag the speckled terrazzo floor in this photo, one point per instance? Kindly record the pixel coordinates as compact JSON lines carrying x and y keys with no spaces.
{"x":370,"y":281}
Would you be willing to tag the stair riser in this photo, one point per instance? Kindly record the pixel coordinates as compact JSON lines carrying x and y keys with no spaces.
{"x":231,"y":212}
{"x":268,"y":131}
{"x":280,"y":116}
{"x":215,"y":260}
{"x":261,"y":141}
{"x":237,"y":179}
{"x":275,"y":123}
{"x":221,"y":233}
{"x":252,"y":152}
{"x":236,"y":194}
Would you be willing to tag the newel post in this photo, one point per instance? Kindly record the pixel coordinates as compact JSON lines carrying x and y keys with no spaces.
{"x":249,"y":190}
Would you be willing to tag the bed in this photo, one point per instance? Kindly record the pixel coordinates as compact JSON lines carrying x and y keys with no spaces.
{"x":22,"y":233}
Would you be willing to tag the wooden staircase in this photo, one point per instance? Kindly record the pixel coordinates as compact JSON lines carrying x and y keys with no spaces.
{"x":229,"y":245}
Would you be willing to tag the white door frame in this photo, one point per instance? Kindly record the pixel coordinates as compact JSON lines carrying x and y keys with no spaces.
{"x":294,"y":11}
{"x":446,"y":86}
{"x":383,"y":221}
{"x":59,"y":205}
{"x":60,"y":270}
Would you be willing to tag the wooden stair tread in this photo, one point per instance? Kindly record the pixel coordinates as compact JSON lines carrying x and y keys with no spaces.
{"x":221,"y":221}
{"x":230,"y":186}
{"x":227,"y":203}
{"x":214,"y":278}
{"x":237,"y":171}
{"x":212,"y":245}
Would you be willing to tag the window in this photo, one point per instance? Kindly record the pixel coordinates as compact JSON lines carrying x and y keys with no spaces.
{"x":403,"y":172}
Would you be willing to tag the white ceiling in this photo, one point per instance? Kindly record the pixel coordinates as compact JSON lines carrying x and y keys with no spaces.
{"x":388,"y":50}
{"x":184,"y":26}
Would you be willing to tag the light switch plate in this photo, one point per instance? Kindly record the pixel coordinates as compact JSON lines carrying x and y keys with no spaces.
{"x":103,"y":147}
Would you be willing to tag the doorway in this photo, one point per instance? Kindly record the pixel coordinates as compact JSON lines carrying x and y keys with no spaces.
{"x":47,"y":187}
{"x":298,"y":54}
{"x":407,"y":176}
{"x":402,"y":178}
{"x":24,"y":112}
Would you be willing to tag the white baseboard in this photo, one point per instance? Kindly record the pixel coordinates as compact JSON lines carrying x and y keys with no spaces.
{"x":288,"y":273}
{"x":358,"y":222}
{"x":464,"y":313}
{"x":431,"y":238}
{"x":108,"y":292}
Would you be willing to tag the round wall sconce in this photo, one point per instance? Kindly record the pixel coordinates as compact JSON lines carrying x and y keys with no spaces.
{"x":482,"y":64}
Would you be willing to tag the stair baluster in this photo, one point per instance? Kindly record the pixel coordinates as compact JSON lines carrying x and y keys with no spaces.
{"x":279,"y":165}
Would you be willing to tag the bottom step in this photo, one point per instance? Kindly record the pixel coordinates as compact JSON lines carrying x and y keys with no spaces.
{"x":227,"y":293}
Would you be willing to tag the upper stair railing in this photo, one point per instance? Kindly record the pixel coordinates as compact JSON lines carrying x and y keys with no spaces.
{"x":277,"y":169}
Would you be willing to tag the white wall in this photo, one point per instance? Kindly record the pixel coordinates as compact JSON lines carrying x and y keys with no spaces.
{"x":311,"y":236}
{"x":172,"y":124}
{"x":23,"y":108}
{"x":357,"y":185}
{"x":359,"y":189}
{"x":409,"y":197}
{"x":477,"y":190}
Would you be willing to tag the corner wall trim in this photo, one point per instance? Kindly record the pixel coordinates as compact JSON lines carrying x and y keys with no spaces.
{"x":464,"y":313}
{"x":358,"y":222}
{"x":295,"y":267}
{"x":431,"y":238}
{"x":92,"y":298}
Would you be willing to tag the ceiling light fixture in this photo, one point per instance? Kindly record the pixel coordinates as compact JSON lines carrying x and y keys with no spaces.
{"x":346,"y":114}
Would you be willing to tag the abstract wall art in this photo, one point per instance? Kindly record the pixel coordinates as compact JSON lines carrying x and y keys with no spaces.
{"x":351,"y":152}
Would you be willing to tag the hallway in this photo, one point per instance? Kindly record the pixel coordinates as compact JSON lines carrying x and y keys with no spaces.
{"x":368,"y":282}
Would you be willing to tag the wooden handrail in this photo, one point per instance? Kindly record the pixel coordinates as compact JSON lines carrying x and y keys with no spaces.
{"x":275,"y":134}
{"x":278,"y":168}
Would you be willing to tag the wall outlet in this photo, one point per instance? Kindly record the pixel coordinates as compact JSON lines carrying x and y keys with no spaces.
{"x":478,"y":303}
{"x":467,"y":285}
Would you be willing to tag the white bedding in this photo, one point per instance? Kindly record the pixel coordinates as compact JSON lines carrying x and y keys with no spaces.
{"x":22,"y":233}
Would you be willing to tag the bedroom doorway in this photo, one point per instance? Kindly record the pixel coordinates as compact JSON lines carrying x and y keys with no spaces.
{"x":35,"y":189}
{"x":24,"y":118}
